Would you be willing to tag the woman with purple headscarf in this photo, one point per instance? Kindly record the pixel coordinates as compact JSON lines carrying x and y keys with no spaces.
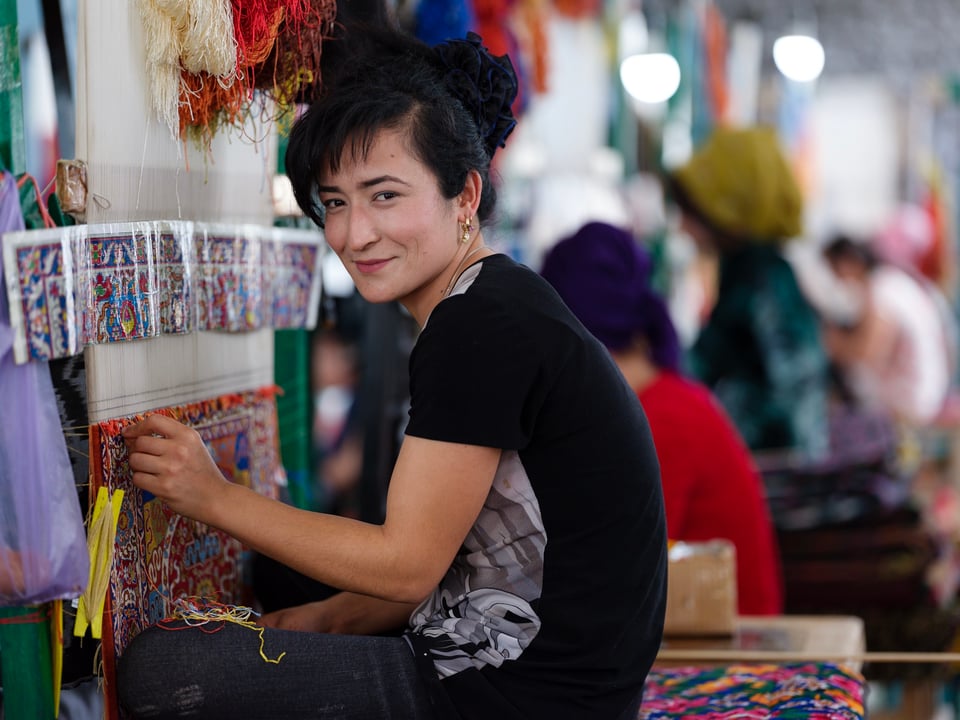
{"x":711,"y":487}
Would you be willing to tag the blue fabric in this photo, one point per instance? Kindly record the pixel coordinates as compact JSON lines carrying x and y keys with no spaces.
{"x":440,"y":20}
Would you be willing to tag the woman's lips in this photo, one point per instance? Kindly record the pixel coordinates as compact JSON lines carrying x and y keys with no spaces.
{"x":370,"y":266}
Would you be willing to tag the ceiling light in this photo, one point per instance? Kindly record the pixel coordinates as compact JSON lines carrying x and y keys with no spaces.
{"x":650,"y":77}
{"x":799,"y":57}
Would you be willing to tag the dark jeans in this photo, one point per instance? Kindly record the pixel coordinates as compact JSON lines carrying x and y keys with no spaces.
{"x":193,"y":672}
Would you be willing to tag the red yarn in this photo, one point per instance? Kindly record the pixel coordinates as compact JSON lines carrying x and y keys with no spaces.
{"x":292,"y":71}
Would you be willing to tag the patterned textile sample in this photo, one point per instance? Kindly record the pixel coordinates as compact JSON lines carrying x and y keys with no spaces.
{"x":159,"y":555}
{"x":812,"y":691}
{"x":88,"y":284}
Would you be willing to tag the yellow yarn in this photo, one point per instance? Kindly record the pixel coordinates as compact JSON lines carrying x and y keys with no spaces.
{"x":101,"y":537}
{"x":198,"y":611}
{"x":741,"y":182}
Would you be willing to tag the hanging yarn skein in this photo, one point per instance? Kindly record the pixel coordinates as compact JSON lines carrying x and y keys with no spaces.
{"x":215,"y":63}
{"x":192,"y":35}
{"x":291,"y":73}
{"x":208,"y":44}
{"x":163,"y":61}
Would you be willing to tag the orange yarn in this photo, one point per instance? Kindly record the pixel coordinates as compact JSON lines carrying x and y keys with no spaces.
{"x":533,"y":21}
{"x":715,"y":45}
{"x":577,"y":9}
{"x":206,"y":104}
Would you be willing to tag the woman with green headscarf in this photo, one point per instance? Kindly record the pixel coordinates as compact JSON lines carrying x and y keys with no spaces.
{"x":760,"y":349}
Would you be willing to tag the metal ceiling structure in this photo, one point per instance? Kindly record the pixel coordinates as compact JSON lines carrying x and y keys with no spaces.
{"x":903,"y":40}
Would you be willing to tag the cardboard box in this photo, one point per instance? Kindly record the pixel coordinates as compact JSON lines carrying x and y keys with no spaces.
{"x":701,"y":588}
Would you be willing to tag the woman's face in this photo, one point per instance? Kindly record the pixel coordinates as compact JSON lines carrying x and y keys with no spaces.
{"x":387,"y":221}
{"x":698,"y":232}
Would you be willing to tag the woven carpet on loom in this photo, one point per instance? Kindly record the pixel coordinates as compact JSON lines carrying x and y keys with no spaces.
{"x":160,"y":555}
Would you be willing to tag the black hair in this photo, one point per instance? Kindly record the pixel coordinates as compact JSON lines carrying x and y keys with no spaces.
{"x":381,"y":78}
{"x":676,"y":192}
{"x":843,"y":247}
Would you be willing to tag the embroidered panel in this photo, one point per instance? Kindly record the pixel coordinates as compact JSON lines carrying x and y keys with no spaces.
{"x":91,"y":284}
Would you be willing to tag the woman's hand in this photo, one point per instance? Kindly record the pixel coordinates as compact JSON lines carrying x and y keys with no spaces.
{"x":311,"y":617}
{"x":171,"y":461}
{"x":345,"y":613}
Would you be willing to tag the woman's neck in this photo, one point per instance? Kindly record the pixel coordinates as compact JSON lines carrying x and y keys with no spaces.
{"x":637,"y":368}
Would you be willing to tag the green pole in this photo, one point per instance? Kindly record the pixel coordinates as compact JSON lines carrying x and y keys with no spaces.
{"x":12,"y":146}
{"x":294,"y":411}
{"x":25,"y":664}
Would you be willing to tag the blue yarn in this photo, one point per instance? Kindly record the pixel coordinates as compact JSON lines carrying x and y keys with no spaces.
{"x":439,"y":20}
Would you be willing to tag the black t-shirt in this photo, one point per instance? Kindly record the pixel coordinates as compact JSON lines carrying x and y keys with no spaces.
{"x":553,"y":608}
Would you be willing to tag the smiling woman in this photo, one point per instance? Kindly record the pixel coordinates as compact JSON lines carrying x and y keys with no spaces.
{"x":397,"y":236}
{"x":522,"y":436}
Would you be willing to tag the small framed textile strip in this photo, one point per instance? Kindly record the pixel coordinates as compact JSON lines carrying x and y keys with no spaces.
{"x":160,"y":556}
{"x":94,"y":284}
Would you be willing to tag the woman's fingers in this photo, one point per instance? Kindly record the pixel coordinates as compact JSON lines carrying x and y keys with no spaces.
{"x":155,"y":424}
{"x":147,"y":444}
{"x":303,"y":618}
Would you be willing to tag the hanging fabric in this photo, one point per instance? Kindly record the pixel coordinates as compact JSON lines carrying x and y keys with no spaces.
{"x":42,"y":545}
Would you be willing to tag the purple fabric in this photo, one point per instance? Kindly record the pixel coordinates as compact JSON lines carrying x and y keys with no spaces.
{"x":43,"y":549}
{"x":603,"y":275}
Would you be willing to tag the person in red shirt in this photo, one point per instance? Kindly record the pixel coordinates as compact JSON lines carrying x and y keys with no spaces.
{"x":712,"y":488}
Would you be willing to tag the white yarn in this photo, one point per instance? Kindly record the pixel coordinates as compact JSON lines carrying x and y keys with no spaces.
{"x":208,"y":43}
{"x":162,"y":46}
{"x":192,"y":35}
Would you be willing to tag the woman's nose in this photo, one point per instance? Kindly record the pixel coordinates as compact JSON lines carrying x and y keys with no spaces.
{"x":361,"y":230}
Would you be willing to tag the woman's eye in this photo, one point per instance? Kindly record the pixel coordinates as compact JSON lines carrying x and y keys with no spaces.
{"x":385,"y":195}
{"x":331,"y":203}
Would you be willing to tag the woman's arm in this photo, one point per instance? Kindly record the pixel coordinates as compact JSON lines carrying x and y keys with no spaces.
{"x":345,"y":613}
{"x":436,"y":492}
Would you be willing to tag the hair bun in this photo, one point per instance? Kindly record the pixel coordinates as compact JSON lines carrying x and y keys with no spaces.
{"x":486,"y":84}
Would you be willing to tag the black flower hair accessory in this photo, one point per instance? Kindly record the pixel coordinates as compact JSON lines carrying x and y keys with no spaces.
{"x":486,"y":84}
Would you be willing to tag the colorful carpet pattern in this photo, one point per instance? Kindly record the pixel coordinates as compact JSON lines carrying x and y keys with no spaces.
{"x":801,"y":691}
{"x":160,"y":555}
{"x":88,"y":284}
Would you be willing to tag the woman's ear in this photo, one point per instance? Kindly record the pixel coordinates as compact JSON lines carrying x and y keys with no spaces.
{"x":469,"y":198}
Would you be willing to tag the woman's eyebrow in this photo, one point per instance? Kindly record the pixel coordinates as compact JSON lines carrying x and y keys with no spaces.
{"x":381,"y":179}
{"x":364,"y":184}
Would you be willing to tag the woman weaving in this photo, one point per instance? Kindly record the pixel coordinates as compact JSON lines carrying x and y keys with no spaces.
{"x":520,"y":571}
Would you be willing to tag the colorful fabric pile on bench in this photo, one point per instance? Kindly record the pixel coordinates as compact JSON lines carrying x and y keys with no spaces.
{"x":812,"y":691}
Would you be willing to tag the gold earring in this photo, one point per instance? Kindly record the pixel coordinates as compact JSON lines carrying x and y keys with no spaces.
{"x":465,"y":227}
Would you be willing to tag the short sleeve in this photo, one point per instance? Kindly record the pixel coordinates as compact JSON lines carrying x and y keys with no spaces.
{"x":477,"y":375}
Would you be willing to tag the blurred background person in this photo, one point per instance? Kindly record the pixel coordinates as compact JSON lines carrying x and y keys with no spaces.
{"x":337,"y":435}
{"x":710,"y":484}
{"x":893,"y":351}
{"x":759,"y":349}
